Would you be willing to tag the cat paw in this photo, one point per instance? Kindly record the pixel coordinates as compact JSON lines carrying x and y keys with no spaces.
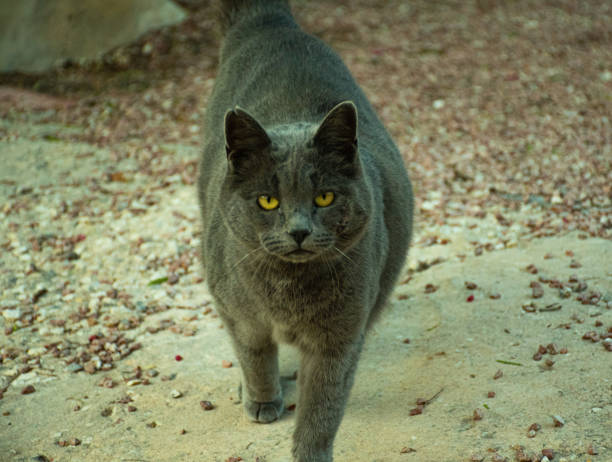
{"x":264,"y":412}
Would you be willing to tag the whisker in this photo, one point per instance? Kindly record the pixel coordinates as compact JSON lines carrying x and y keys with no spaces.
{"x":343,"y":254}
{"x":245,"y":257}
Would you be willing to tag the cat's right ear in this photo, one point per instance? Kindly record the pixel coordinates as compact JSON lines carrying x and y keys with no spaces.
{"x":336,"y":138}
{"x":244,"y":140}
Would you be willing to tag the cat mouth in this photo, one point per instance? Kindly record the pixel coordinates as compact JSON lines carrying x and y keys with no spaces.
{"x":299,"y":255}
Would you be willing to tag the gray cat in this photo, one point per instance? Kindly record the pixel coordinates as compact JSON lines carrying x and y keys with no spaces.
{"x":305,"y":230}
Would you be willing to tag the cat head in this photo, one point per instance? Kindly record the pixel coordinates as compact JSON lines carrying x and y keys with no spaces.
{"x":296,"y":190}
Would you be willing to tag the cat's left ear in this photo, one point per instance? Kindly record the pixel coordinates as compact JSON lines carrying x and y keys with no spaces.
{"x":245,"y":140}
{"x":337,"y":137}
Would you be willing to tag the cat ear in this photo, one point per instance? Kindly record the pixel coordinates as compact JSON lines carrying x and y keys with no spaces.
{"x":244,"y":139}
{"x":337,"y":136}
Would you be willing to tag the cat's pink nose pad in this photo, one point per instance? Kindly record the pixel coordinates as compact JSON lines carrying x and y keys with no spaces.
{"x":299,"y":235}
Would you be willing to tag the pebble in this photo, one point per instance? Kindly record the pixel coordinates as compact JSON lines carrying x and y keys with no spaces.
{"x":207,"y":405}
{"x":176,"y":394}
{"x":558,"y":421}
{"x":12,"y":314}
{"x":37,"y":351}
{"x":74,"y":367}
{"x":28,"y":390}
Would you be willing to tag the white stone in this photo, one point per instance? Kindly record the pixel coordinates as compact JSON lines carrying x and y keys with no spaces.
{"x":12,"y":314}
{"x":37,"y":351}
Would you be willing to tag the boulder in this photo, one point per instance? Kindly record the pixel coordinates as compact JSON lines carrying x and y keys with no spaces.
{"x":36,"y":35}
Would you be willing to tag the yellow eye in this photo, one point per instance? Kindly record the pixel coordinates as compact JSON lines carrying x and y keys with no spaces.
{"x":325,"y":199}
{"x":267,"y":202}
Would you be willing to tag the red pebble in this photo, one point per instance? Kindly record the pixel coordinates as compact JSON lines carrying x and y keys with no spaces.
{"x":470,"y":298}
{"x":178,"y":357}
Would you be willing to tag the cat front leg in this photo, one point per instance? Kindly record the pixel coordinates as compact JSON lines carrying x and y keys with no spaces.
{"x":325,"y":379}
{"x":257,"y":354}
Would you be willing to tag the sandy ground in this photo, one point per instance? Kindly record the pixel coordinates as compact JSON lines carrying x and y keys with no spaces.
{"x":110,"y":347}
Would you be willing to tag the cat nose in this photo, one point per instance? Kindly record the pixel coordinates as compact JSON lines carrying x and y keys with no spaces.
{"x":299,"y":235}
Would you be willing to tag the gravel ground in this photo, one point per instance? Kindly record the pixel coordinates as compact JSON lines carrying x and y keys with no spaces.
{"x":502,"y":111}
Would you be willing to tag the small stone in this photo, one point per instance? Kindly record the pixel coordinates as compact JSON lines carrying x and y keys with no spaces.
{"x":131,"y":408}
{"x":552,"y":349}
{"x":548,"y":453}
{"x":90,"y":367}
{"x":147,"y":48}
{"x":74,"y":367}
{"x":40,"y":351}
{"x":591,"y":450}
{"x":535,"y":427}
{"x":173,"y":278}
{"x":529,"y":307}
{"x":575,"y":264}
{"x":565,"y":292}
{"x":536,"y":290}
{"x":107,"y":382}
{"x":12,"y":314}
{"x":176,"y":394}
{"x":28,"y":389}
{"x":207,"y":405}
{"x":226,"y":364}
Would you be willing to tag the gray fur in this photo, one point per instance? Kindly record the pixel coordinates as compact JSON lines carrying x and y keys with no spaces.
{"x":282,"y":121}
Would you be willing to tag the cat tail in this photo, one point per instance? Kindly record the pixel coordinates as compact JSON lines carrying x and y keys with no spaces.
{"x":230,"y":11}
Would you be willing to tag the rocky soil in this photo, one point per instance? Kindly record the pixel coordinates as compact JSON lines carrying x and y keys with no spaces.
{"x":496,"y":345}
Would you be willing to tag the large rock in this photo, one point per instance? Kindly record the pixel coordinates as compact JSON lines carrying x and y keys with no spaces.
{"x":35,"y":35}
